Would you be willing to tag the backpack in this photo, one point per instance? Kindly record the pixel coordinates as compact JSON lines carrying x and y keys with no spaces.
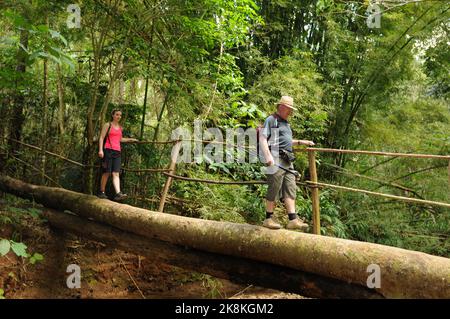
{"x":258,"y":133}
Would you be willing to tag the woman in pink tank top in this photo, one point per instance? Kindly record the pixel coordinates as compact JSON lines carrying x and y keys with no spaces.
{"x":109,"y":152}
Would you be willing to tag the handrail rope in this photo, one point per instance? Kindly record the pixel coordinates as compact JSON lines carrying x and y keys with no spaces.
{"x":311,"y":184}
{"x":34,"y":168}
{"x":341,"y":170}
{"x":89,"y":166}
{"x":209,"y":181}
{"x":333,"y":150}
{"x":406,"y":199}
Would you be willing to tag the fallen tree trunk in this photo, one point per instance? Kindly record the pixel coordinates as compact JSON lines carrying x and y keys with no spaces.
{"x":404,"y":274}
{"x":238,"y":270}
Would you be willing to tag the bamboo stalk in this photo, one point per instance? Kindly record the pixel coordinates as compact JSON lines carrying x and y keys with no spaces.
{"x":172,"y":166}
{"x":314,"y":193}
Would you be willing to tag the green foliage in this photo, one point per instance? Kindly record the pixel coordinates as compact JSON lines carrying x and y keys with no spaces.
{"x":214,"y":285}
{"x":331,"y":220}
{"x":20,"y":249}
{"x":36,"y":258}
{"x":294,"y":75}
{"x":45,"y":43}
{"x":5,"y":246}
{"x":33,"y":212}
{"x":233,"y":203}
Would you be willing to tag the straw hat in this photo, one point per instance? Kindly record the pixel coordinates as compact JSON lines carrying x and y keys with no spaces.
{"x":287,"y":101}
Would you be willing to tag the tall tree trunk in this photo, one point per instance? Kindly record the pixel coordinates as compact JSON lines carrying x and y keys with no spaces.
{"x":61,"y":104}
{"x":18,"y":118}
{"x":44,"y":122}
{"x":121,"y":86}
{"x":144,"y":108}
{"x":402,"y":273}
{"x":160,"y":115}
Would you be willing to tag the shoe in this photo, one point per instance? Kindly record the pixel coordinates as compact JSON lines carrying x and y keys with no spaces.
{"x":297,"y":224}
{"x":120,"y":196}
{"x":102,"y":195}
{"x":271,"y":224}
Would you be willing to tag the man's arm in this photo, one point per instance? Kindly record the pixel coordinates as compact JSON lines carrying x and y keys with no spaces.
{"x":265,"y":148}
{"x":303,"y":142}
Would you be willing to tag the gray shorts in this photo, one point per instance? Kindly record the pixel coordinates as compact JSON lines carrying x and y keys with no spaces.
{"x":281,"y":185}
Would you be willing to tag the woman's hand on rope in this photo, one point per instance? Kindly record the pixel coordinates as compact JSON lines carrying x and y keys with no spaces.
{"x":128,"y":140}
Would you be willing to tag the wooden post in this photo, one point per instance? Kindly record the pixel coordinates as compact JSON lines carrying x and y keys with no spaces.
{"x":314,"y":192}
{"x":173,"y":162}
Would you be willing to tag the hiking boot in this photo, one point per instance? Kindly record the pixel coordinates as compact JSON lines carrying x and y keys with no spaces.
{"x":120,"y":197}
{"x":297,"y":224}
{"x":271,"y":224}
{"x":102,"y":195}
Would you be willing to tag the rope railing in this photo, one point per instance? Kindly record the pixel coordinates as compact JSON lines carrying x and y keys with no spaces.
{"x":402,"y":198}
{"x":209,"y":181}
{"x":144,"y":170}
{"x":47,"y":152}
{"x":333,"y":150}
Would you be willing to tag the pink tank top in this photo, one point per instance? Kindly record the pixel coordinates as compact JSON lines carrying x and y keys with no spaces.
{"x":113,"y":138}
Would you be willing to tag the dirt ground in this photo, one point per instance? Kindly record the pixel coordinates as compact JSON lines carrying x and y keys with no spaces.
{"x":106,"y":273}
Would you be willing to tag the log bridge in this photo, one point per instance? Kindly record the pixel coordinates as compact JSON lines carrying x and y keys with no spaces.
{"x":306,"y":264}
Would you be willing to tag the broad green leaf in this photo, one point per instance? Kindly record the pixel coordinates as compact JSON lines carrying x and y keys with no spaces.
{"x":20,"y":249}
{"x":4,"y":247}
{"x":42,"y":28}
{"x":36,"y":257}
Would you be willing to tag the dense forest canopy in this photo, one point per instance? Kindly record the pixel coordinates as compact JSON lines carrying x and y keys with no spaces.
{"x":167,"y":63}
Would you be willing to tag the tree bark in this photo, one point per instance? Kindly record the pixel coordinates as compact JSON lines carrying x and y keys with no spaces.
{"x":238,"y":270}
{"x":61,"y":102}
{"x":403,"y":273}
{"x":19,"y":100}
{"x":44,"y":122}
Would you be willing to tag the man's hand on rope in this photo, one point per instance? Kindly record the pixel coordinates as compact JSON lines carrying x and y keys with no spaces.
{"x":303,"y":142}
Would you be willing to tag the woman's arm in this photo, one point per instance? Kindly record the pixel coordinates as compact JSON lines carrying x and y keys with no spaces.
{"x":101,"y":139}
{"x":128,"y":140}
